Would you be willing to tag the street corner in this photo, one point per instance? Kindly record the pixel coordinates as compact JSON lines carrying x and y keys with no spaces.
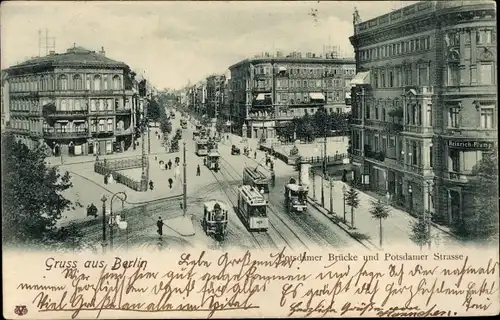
{"x":182,"y":225}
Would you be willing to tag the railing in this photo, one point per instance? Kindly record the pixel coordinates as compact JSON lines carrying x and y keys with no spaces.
{"x":123,"y":111}
{"x":59,"y":113}
{"x":356,"y":121}
{"x":65,"y":134}
{"x":120,"y":132}
{"x":111,"y":166}
{"x":356,"y":152}
{"x":121,"y":164}
{"x":413,"y":128}
{"x":394,"y":127}
{"x":461,"y":176}
{"x":337,"y":158}
{"x":414,"y":169}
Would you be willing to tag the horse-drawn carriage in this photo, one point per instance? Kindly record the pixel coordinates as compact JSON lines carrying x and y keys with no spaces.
{"x":212,"y":160}
{"x":215,"y":219}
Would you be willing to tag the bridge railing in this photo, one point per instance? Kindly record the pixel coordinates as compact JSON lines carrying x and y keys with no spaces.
{"x":337,"y":158}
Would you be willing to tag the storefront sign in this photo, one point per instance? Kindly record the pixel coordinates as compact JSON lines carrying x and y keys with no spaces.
{"x":466,"y":144}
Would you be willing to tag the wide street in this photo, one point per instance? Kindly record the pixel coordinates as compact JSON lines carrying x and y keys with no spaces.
{"x":296,"y":231}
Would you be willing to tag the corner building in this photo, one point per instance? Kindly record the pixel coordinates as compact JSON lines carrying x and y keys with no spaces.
{"x":425,"y":103}
{"x":75,"y":102}
{"x":269,"y":91}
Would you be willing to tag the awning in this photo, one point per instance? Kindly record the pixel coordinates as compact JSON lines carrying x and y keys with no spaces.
{"x":316,"y":96}
{"x":281,"y":69}
{"x":361,"y":78}
{"x":348,"y":95}
{"x":412,"y":91}
{"x":261,"y":97}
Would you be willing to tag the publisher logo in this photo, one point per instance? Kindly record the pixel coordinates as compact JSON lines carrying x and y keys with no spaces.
{"x":20,"y":310}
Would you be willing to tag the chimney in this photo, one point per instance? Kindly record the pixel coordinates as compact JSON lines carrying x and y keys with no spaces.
{"x":52,"y":52}
{"x":102,"y":51}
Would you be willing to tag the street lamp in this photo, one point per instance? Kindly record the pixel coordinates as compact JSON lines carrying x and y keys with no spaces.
{"x":184,"y":185}
{"x":112,"y":218}
{"x":104,"y":199}
{"x":410,"y":190}
{"x":343,"y":193}
{"x":428,"y":219}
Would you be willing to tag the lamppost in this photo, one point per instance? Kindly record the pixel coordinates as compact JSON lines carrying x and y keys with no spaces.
{"x":343,"y":196}
{"x":410,"y":191}
{"x":427,"y":219}
{"x":112,"y":219}
{"x":331,"y":195}
{"x":104,"y":199}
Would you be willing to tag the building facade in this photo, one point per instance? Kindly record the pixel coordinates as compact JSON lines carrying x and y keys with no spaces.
{"x":425,"y":103}
{"x":5,"y":99}
{"x":215,"y":95}
{"x":266,"y":92}
{"x":75,"y":102}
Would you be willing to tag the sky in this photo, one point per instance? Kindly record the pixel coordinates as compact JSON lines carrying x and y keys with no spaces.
{"x":172,"y":43}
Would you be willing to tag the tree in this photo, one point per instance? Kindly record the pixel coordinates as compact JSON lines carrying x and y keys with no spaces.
{"x":321,"y":122}
{"x":154,"y":110}
{"x":419,"y":233}
{"x":340,"y":122}
{"x":479,"y":219}
{"x":379,"y":211}
{"x":352,"y":200}
{"x":165,"y":124}
{"x":305,"y":128}
{"x":32,"y":196}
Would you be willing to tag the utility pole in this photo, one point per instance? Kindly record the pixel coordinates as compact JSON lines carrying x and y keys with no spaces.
{"x":324,"y":164}
{"x":314,"y":184}
{"x":184,"y":185}
{"x":146,"y":105}
{"x":104,"y":199}
{"x":144,"y":179}
{"x":331,"y":195}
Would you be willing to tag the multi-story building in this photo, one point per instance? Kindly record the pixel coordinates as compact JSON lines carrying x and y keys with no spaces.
{"x":215,"y":94}
{"x":425,"y":104}
{"x":5,"y":99}
{"x":75,"y":102}
{"x":269,"y":91}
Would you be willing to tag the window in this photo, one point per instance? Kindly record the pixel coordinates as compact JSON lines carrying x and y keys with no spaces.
{"x":429,"y":114}
{"x":93,"y":106}
{"x":486,"y":73}
{"x":407,"y":75}
{"x":110,"y":104}
{"x":453,"y":117}
{"x":63,"y":83}
{"x":383,"y":114}
{"x":423,"y":75}
{"x":87,"y":83}
{"x":455,"y":160}
{"x":453,"y":74}
{"x":101,"y":105}
{"x":97,"y":83}
{"x":487,"y":117}
{"x":63,"y":105}
{"x":101,"y":125}
{"x":376,"y":112}
{"x":391,"y":79}
{"x":77,"y":82}
{"x":77,"y":105}
{"x":483,"y":36}
{"x":430,"y":156}
{"x":105,"y":82}
{"x":110,"y":124}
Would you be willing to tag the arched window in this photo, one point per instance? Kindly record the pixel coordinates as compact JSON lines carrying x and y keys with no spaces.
{"x":63,"y":105}
{"x":97,"y":83}
{"x":63,"y":82}
{"x":87,"y":86}
{"x":78,"y":82}
{"x":77,"y":105}
{"x":116,"y":82}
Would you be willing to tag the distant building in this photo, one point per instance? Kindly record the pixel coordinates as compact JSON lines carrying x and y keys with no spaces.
{"x":76,"y":103}
{"x":215,"y":94}
{"x":268,"y":91}
{"x":425,"y":103}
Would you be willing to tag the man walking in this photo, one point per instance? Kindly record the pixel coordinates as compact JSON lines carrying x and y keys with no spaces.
{"x":170,"y":182}
{"x":160,"y":224}
{"x":169,"y":164}
{"x":198,"y":171}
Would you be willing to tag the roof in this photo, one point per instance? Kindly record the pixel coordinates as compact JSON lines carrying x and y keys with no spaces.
{"x":296,"y":187}
{"x":211,"y":203}
{"x":73,"y":57}
{"x":214,"y":154}
{"x":317,"y":60}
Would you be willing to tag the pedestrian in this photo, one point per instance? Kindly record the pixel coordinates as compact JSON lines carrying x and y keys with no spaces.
{"x":156,"y":158}
{"x":255,"y":154}
{"x":166,"y":166}
{"x":198,"y":170}
{"x":273,"y":178}
{"x":151,"y":185}
{"x":169,"y":164}
{"x":160,"y":224}
{"x":272,"y":166}
{"x":170,"y":182}
{"x":262,"y":191}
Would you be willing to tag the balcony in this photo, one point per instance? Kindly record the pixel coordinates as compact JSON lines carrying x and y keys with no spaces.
{"x":123,"y":132}
{"x":414,"y":169}
{"x":417,"y":128}
{"x":59,"y":134}
{"x":262,"y":117}
{"x":461,"y":177}
{"x":261,"y":89}
{"x":391,"y":127}
{"x":80,"y":93}
{"x":123,"y":111}
{"x":68,"y":113}
{"x":463,"y":132}
{"x":374,"y":123}
{"x":356,"y":121}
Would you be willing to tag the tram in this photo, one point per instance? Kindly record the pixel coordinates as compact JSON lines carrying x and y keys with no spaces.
{"x":253,"y":208}
{"x":212,"y":160}
{"x":215,"y":219}
{"x":255,"y":178}
{"x":184,"y":124}
{"x":296,"y":196}
{"x":196,"y":135}
{"x":201,"y":146}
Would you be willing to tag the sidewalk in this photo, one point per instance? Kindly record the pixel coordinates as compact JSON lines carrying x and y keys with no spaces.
{"x":396,"y":228}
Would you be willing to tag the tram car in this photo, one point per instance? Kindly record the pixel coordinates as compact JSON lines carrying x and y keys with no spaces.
{"x":196,"y":135}
{"x":184,"y":124}
{"x":212,"y":160}
{"x":255,"y":178}
{"x":252,"y":207}
{"x":212,"y":144}
{"x":201,"y":146}
{"x":215,"y":219}
{"x":296,"y":196}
